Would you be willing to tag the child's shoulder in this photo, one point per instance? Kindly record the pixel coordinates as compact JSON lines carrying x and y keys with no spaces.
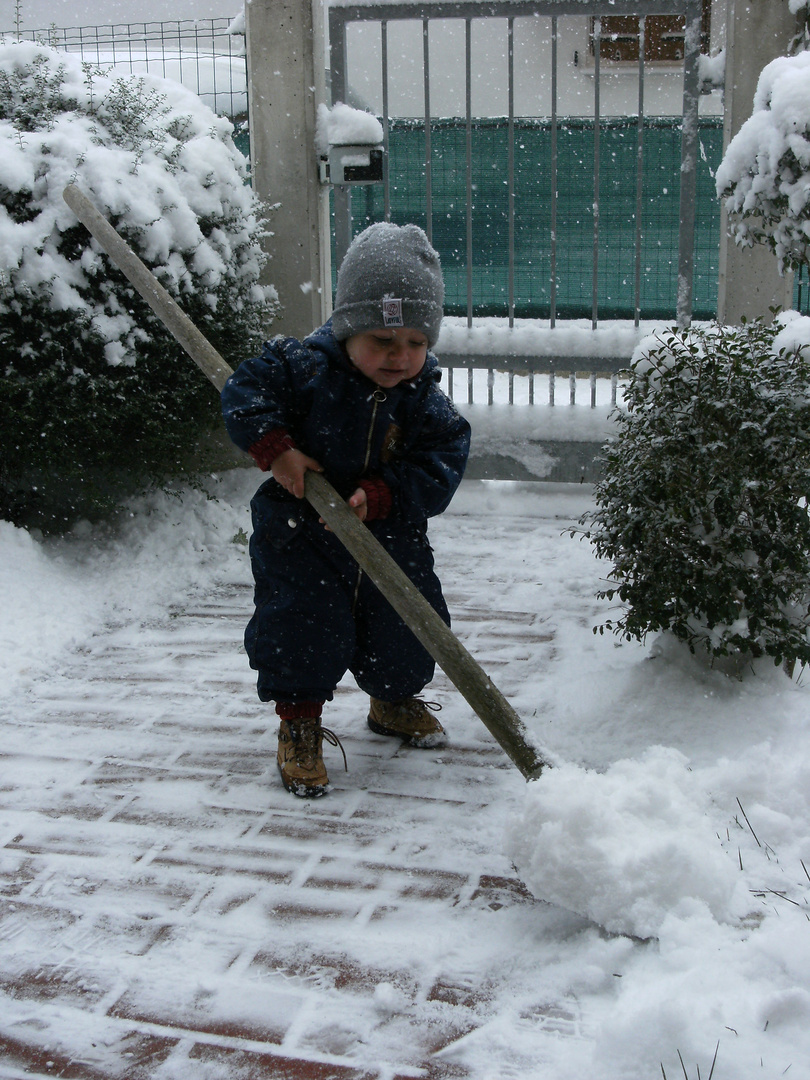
{"x":321,"y":344}
{"x":437,"y":404}
{"x":308,"y":361}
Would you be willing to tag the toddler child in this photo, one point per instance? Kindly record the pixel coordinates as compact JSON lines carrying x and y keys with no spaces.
{"x":358,"y":399}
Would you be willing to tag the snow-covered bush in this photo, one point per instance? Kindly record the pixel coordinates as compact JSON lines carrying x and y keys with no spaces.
{"x":764,"y":177}
{"x":702,"y":506}
{"x":95,"y":396}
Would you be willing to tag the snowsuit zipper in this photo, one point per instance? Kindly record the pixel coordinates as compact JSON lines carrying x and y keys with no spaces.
{"x":379,"y":396}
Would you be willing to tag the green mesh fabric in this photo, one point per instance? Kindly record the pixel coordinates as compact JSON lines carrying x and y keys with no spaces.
{"x":575,"y":218}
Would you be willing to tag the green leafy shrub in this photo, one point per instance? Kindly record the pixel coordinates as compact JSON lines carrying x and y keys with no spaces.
{"x":96,"y":398}
{"x":702,"y":506}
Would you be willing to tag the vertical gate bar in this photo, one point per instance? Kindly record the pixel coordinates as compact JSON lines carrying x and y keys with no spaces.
{"x":593,"y":389}
{"x":510,"y":135}
{"x":597,"y":40}
{"x":511,"y":388}
{"x":470,"y":386}
{"x":642,"y":27}
{"x":342,"y":198}
{"x":386,"y":126}
{"x":551,"y":387}
{"x":553,"y":269}
{"x":490,"y":386}
{"x":689,"y":154}
{"x":468,"y":96}
{"x":572,"y":388}
{"x":428,"y":160}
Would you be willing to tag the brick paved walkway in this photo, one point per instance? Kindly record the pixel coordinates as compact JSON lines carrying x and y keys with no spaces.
{"x":168,"y":911}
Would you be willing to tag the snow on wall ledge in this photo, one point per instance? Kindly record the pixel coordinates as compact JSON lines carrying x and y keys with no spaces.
{"x":575,"y":338}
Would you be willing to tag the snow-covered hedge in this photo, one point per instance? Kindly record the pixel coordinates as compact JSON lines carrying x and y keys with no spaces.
{"x":764,"y":176}
{"x":96,"y":396}
{"x":703,"y":505}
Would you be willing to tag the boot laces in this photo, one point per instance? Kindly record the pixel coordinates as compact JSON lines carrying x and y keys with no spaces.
{"x":414,"y":705}
{"x":305,"y":733}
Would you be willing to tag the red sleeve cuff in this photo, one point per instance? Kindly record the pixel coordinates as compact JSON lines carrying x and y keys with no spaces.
{"x":267,"y":449}
{"x":378,"y":499}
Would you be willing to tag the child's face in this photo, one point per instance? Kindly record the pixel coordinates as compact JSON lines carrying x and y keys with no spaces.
{"x":388,"y":356}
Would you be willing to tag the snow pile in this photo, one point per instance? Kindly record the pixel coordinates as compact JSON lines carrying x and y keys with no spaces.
{"x":56,"y":594}
{"x":627,"y":847}
{"x":46,"y":609}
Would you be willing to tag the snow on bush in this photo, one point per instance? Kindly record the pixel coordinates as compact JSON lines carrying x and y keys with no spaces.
{"x":702,"y":507}
{"x":93,"y":387}
{"x":764,"y":176}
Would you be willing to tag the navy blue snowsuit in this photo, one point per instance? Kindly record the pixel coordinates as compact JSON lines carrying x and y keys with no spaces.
{"x":316,"y":615}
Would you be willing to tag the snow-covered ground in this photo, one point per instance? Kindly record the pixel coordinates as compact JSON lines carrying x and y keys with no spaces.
{"x":674,"y":825}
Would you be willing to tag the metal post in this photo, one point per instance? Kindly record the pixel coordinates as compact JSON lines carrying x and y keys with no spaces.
{"x":639,"y":166}
{"x":553,"y":270}
{"x":428,"y":155}
{"x":689,"y":155}
{"x":511,"y":170}
{"x":385,"y":121}
{"x":468,"y":98}
{"x":341,"y":196}
{"x":597,"y":38}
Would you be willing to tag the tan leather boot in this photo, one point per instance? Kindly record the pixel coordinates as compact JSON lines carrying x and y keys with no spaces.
{"x":410,"y":720}
{"x":300,"y":756}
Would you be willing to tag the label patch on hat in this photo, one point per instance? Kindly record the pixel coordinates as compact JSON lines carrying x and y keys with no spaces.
{"x":392,"y":312}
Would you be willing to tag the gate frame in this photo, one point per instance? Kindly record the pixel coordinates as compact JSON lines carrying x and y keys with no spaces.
{"x":340,"y":15}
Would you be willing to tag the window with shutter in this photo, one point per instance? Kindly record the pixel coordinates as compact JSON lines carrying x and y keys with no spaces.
{"x":663,"y":36}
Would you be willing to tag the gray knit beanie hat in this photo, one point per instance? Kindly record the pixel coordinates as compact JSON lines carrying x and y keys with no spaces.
{"x":389,"y":277}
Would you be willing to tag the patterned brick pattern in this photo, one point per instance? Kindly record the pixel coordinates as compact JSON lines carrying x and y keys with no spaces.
{"x":168,"y":911}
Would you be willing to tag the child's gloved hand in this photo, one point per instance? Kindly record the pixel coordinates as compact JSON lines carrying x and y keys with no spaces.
{"x":290,"y":468}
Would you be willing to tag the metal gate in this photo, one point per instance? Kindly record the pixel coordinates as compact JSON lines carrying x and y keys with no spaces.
{"x":456,"y":237}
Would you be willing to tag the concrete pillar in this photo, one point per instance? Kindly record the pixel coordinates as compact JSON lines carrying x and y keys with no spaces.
{"x":286,"y":58}
{"x":757,"y":31}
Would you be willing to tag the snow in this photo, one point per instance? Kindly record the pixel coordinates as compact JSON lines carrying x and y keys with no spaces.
{"x":220,"y":81}
{"x":164,"y":178}
{"x":675,"y":823}
{"x":764,"y":169}
{"x":344,"y":126}
{"x":612,"y":338}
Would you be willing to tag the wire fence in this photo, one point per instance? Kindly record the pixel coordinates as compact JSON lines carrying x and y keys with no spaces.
{"x":206,"y":55}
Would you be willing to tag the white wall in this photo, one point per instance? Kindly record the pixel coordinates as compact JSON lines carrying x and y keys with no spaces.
{"x":618,"y":84}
